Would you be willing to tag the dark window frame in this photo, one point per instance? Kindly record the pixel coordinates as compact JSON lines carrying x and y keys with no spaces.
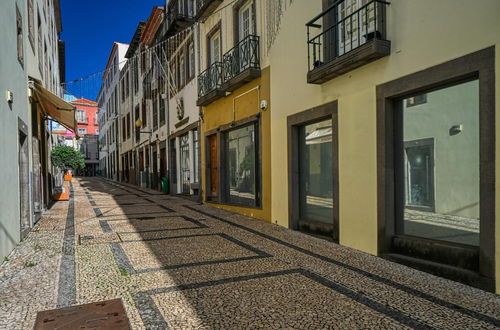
{"x":31,"y":24}
{"x":220,"y":132}
{"x":294,"y":123}
{"x":19,"y":37}
{"x":478,"y":65}
{"x":189,"y":76}
{"x":421,"y":143}
{"x":225,"y":190}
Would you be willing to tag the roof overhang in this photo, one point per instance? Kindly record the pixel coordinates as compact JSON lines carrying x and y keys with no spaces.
{"x":55,"y":107}
{"x":134,"y":43}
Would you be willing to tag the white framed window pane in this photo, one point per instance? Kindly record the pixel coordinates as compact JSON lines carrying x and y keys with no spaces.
{"x":245,"y":20}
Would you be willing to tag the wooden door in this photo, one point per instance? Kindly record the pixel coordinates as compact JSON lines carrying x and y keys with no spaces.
{"x":214,"y":165}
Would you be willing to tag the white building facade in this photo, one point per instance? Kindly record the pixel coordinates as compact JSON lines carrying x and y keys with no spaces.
{"x":108,"y":100}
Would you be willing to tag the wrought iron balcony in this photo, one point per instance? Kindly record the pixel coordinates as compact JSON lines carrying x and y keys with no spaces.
{"x":205,"y":8}
{"x":340,"y":41}
{"x":209,"y":84}
{"x":241,"y":64}
{"x":179,"y":16}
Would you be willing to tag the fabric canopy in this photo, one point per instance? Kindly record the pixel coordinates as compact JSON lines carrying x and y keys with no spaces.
{"x":55,"y":107}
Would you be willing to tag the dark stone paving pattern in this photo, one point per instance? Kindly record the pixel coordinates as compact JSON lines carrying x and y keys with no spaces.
{"x":178,"y":264}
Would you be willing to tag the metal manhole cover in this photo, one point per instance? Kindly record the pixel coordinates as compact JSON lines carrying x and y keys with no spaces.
{"x":108,"y":314}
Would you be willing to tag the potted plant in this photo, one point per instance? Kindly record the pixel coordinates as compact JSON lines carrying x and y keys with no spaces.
{"x":67,"y":159}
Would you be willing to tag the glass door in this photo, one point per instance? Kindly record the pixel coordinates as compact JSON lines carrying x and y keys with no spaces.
{"x":215,"y":48}
{"x":316,"y":177}
{"x":245,"y":19}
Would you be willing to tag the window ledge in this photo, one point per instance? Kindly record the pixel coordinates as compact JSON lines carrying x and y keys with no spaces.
{"x":364,"y":54}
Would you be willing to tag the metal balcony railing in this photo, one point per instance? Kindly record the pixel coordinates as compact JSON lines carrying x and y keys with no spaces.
{"x":245,"y":55}
{"x":342,"y":28}
{"x":205,"y":7}
{"x":210,"y":79}
{"x":179,"y":14}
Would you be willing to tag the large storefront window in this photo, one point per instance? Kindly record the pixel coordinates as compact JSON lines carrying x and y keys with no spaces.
{"x":315,"y":166}
{"x":440,"y":160}
{"x":436,"y":181}
{"x":241,"y":158}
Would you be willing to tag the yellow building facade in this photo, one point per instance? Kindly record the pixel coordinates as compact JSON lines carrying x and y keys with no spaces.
{"x":378,"y":74}
{"x":234,"y":94}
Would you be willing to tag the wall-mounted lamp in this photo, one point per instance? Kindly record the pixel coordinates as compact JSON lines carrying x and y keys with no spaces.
{"x":138,"y":124}
{"x":9,"y":96}
{"x":456,"y":129}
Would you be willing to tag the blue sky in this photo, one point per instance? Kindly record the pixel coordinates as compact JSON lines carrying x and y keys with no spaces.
{"x":89,"y":29}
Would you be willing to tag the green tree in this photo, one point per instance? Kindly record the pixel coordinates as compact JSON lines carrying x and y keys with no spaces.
{"x":67,"y":158}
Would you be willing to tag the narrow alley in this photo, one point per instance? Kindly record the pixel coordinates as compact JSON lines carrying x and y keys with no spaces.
{"x":179,"y":264}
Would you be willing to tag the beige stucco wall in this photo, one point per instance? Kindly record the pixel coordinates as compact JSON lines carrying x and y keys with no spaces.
{"x":423,"y":33}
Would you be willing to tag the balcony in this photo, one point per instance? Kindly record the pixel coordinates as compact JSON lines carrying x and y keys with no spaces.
{"x":209,"y":85}
{"x":82,"y":121}
{"x":179,"y":16}
{"x":205,"y":8}
{"x":241,"y":64}
{"x":339,"y":42}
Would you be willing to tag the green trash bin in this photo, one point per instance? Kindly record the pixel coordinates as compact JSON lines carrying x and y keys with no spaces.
{"x":164,"y":185}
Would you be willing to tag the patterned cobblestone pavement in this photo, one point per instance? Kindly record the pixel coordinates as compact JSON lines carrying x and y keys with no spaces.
{"x":178,"y":264}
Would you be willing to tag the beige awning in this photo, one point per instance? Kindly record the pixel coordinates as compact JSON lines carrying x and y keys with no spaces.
{"x":55,"y":107}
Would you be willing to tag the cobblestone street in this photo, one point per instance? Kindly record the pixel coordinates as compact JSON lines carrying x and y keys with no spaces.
{"x":178,"y":264}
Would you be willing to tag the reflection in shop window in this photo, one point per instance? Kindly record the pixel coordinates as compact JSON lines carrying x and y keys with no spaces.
{"x":419,"y":159}
{"x":440,"y":142}
{"x":315,"y":166}
{"x":241,"y":164}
